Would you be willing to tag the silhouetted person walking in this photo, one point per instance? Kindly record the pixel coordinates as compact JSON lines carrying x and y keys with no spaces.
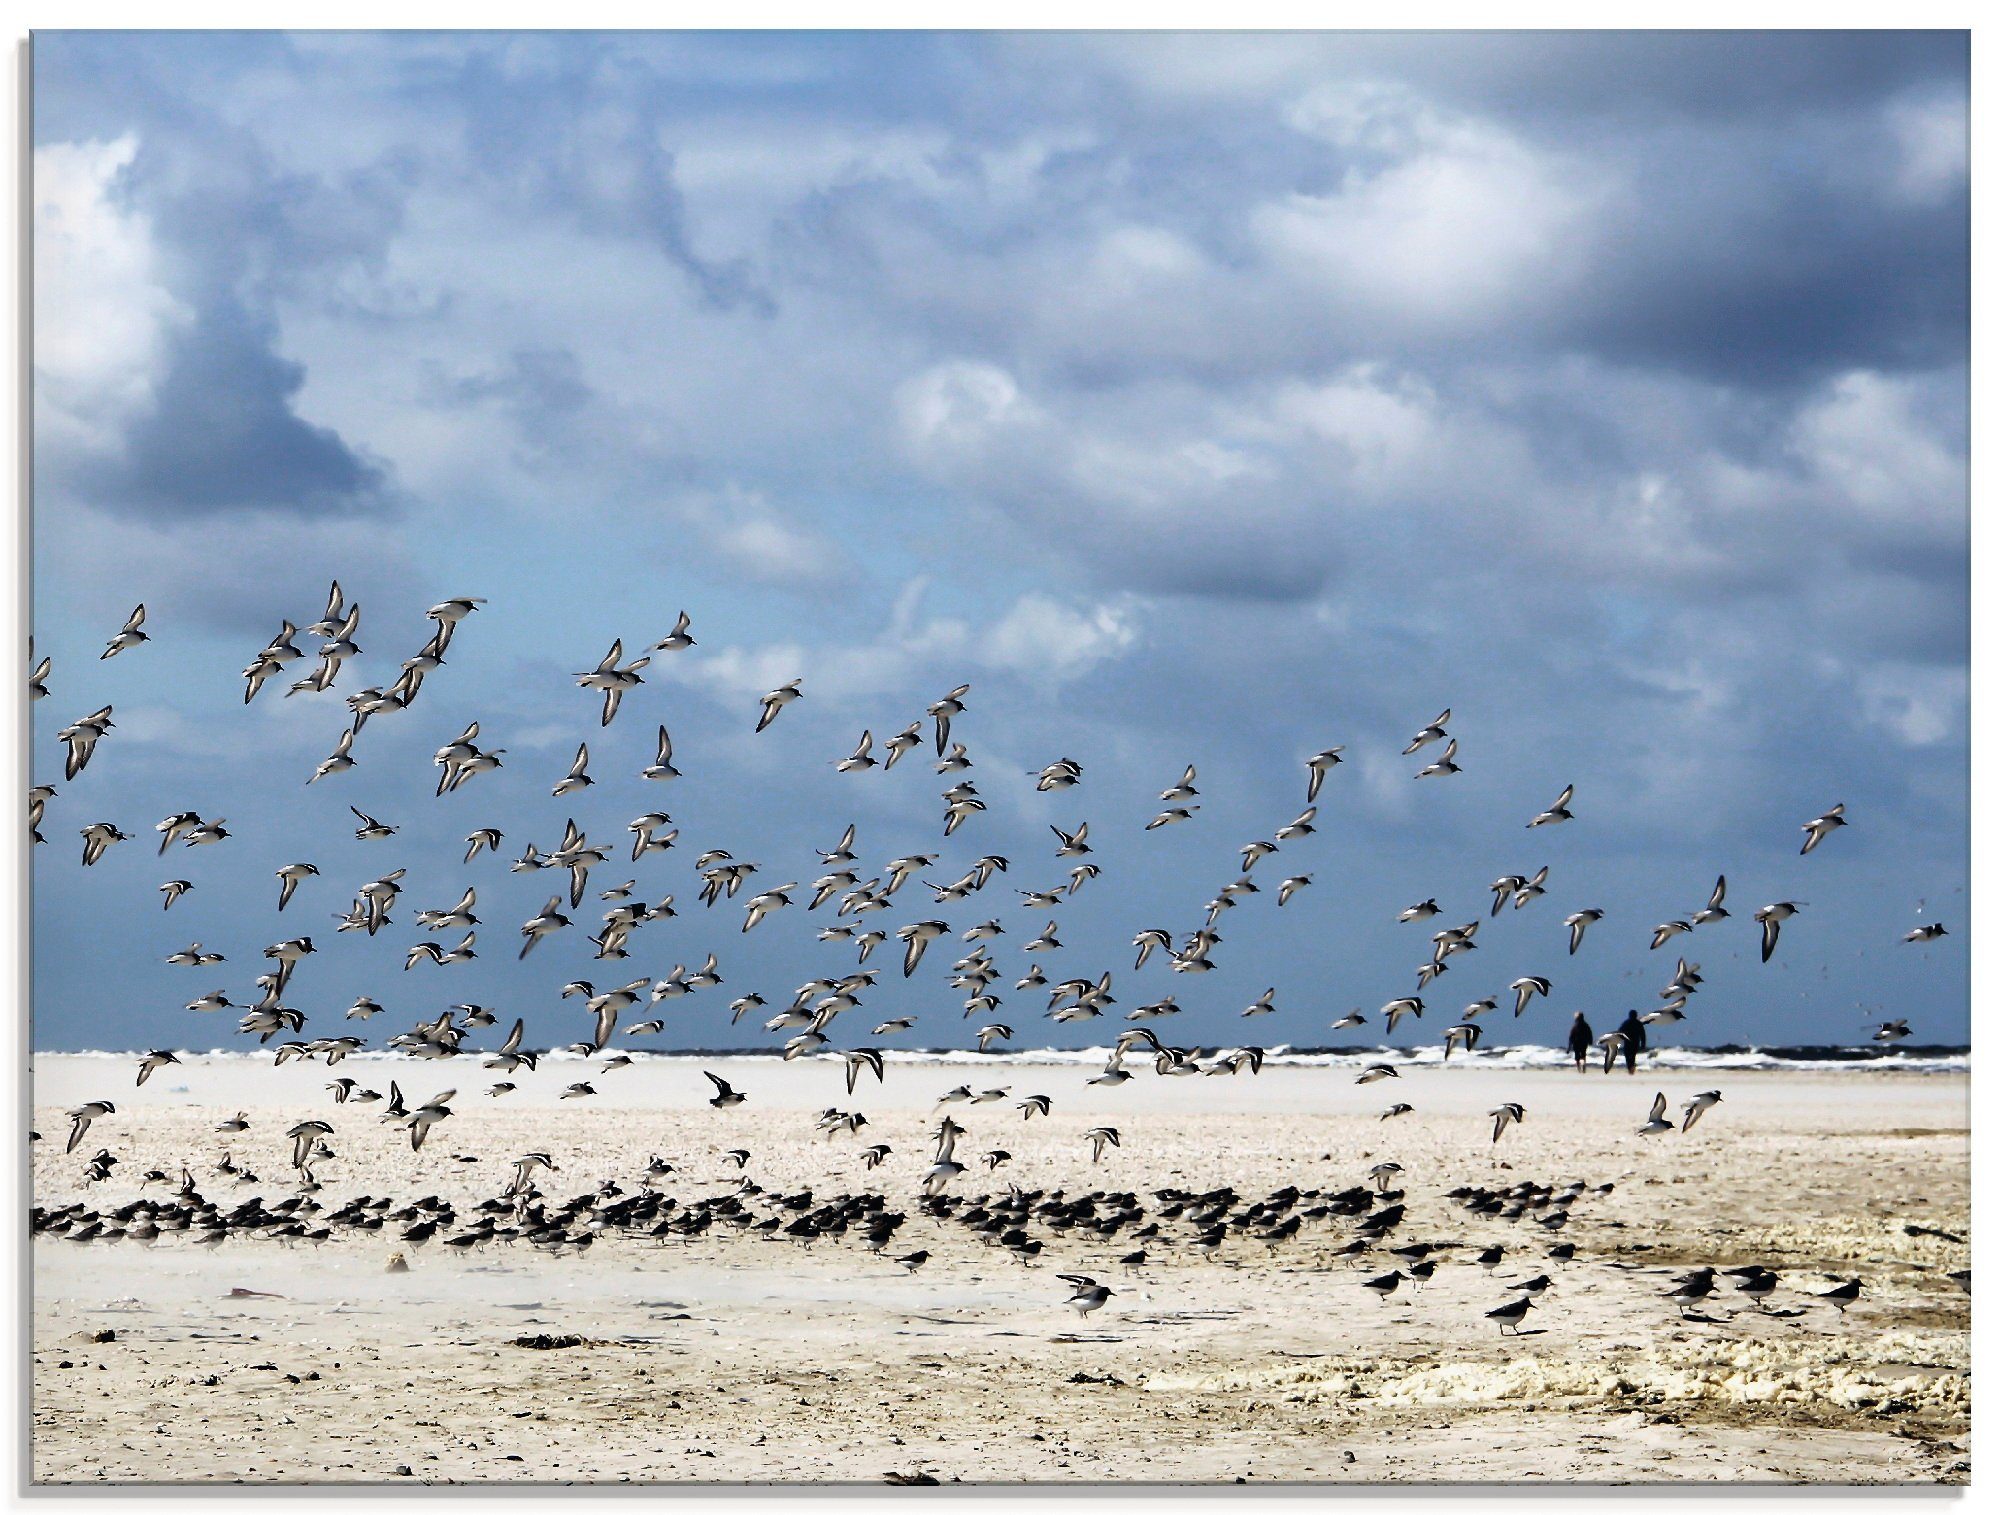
{"x":1634,"y":1032}
{"x":1579,"y":1042}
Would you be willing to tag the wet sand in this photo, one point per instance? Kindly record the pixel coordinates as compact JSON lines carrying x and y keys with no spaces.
{"x":745,"y":1357}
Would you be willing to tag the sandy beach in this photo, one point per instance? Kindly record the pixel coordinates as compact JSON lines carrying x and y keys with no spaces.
{"x":743,"y":1356}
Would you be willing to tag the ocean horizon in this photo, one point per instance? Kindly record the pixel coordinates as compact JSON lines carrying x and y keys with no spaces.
{"x":1944,"y":1058}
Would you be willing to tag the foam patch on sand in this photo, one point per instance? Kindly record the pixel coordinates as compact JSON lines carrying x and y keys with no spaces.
{"x":1921,"y":1370}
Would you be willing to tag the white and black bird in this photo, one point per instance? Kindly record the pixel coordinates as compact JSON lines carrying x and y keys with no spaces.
{"x":777,"y":700}
{"x":1318,"y":766}
{"x":548,"y":921}
{"x":98,"y":838}
{"x":152,"y":1062}
{"x":1444,"y":765}
{"x":724,"y":1095}
{"x":1510,"y":1315}
{"x":1526,"y":988}
{"x":131,"y":636}
{"x":1712,"y":911}
{"x":81,"y":1117}
{"x":1578,"y":923}
{"x":677,"y":640}
{"x":370,"y":829}
{"x":1666,"y":931}
{"x":860,"y":1060}
{"x":662,"y":767}
{"x":1821,"y":827}
{"x":81,"y":738}
{"x":1181,"y":792}
{"x":1771,"y":917}
{"x":1557,"y":813}
{"x":578,"y":777}
{"x":428,"y":1114}
{"x":1692,"y":1110}
{"x":613,"y":680}
{"x":1072,"y":843}
{"x":290,"y":877}
{"x":1434,"y":732}
{"x":861,"y":759}
{"x":1086,"y":1293}
{"x":916,"y":937}
{"x":941,"y":713}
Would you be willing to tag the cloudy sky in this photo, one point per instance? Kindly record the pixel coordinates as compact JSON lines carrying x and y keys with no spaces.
{"x":1197,"y":399}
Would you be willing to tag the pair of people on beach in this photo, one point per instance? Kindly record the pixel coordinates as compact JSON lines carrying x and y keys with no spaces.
{"x":1632,"y":1029}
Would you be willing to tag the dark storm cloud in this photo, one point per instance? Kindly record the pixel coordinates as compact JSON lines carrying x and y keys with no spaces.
{"x":224,"y":436}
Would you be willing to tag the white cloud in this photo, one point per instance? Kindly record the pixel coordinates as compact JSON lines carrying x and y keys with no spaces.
{"x":1920,"y":706}
{"x":1038,"y":637}
{"x":1931,"y":136}
{"x":102,"y":316}
{"x":955,"y":411}
{"x":1461,"y":226}
{"x":1383,"y":426}
{"x":750,"y":535}
{"x":1869,"y":440}
{"x":1042,"y":638}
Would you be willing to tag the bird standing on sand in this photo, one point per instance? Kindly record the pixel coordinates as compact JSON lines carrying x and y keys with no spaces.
{"x":1087,"y":1293}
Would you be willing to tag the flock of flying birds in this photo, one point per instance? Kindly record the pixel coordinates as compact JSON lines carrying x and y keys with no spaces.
{"x":808,"y":1019}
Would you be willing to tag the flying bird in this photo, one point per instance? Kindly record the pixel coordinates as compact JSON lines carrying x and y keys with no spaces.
{"x":131,"y":636}
{"x":777,"y":700}
{"x":1820,"y":828}
{"x":1557,"y":813}
{"x":1771,"y":917}
{"x":1577,"y":924}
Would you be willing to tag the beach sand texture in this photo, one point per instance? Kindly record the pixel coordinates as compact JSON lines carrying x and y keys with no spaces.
{"x":742,"y":1357}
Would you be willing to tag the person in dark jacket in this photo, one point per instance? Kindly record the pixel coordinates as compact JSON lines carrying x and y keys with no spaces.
{"x":1633,"y":1030}
{"x":1579,"y":1041}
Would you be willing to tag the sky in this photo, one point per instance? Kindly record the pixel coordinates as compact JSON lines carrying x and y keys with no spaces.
{"x":1196,"y":399}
